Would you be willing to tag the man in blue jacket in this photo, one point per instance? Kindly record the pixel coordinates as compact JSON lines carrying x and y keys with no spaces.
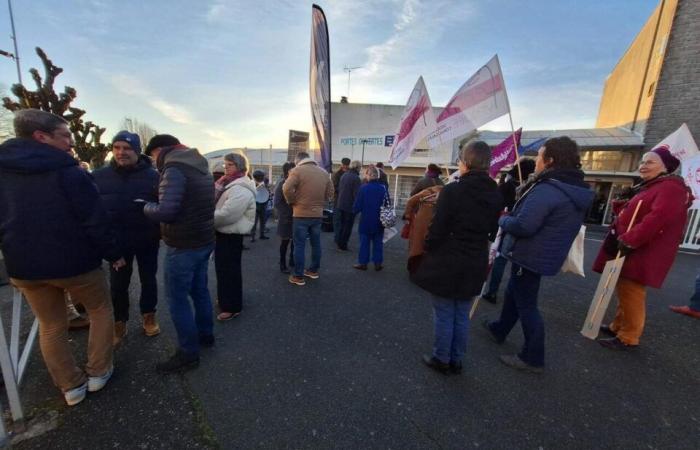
{"x":185,"y":210}
{"x":125,"y":185}
{"x":55,"y":233}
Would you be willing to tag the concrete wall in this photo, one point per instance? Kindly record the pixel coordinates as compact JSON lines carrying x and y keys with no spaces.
{"x":677,"y":97}
{"x":629,"y":90}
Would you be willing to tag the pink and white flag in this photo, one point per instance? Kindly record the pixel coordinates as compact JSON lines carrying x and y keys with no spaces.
{"x":417,"y":121}
{"x":680,"y":143}
{"x":504,"y":153}
{"x":480,"y":100}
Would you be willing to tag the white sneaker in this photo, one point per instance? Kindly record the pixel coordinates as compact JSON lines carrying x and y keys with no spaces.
{"x":76,"y":395}
{"x":94,"y":384}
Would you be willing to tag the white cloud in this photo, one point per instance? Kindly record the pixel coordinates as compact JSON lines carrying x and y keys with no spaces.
{"x":134,"y":87}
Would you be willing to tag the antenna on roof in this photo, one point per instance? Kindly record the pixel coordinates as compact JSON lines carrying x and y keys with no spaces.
{"x":349,"y":70}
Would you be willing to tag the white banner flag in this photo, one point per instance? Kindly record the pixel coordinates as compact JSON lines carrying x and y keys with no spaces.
{"x":680,"y":143}
{"x":417,"y":121}
{"x":480,"y":100}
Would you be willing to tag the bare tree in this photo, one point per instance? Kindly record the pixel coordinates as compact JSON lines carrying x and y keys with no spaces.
{"x":87,"y":135}
{"x":134,"y":125}
{"x":6,"y":129}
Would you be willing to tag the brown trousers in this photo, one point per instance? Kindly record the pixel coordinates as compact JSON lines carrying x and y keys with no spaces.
{"x":631,"y":311}
{"x":46,"y":298}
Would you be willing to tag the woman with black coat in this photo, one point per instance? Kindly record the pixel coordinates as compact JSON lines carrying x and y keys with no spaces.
{"x":455,"y":264}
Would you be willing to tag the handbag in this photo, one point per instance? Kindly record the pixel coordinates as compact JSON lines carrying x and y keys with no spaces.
{"x":387,"y":215}
{"x":406,"y":230}
{"x":574,"y":260}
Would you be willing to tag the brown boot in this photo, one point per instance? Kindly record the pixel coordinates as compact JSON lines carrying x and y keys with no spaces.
{"x":119,"y":332}
{"x":150,"y":324}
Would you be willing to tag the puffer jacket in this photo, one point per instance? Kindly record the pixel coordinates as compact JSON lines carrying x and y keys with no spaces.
{"x":52,"y":221}
{"x":545,"y":221}
{"x":307,"y":189}
{"x":119,"y":187}
{"x":185,"y":205}
{"x":235,"y":210}
{"x":656,"y":232}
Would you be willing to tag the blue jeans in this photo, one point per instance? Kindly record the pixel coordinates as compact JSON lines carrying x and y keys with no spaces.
{"x":186,"y":274}
{"x":303,"y":229}
{"x":499,"y":266}
{"x":451,"y":320}
{"x":695,"y":299}
{"x":377,"y":240}
{"x":521,"y":303}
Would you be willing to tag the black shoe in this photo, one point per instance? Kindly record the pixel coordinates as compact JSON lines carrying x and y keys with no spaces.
{"x":378,"y":267}
{"x":360,"y":266}
{"x":243,"y":247}
{"x":179,"y":362}
{"x":456,"y":367}
{"x":207,"y":341}
{"x":436,"y":364}
{"x":284,"y":269}
{"x":487,"y":326}
{"x":515,"y":362}
{"x":605,"y":329}
{"x":263,"y":238}
{"x":615,"y":344}
{"x":491,"y":298}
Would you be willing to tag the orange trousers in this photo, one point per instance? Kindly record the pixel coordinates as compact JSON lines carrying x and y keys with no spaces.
{"x":631,"y":311}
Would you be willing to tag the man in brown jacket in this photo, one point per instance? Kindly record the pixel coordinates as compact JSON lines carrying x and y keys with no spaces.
{"x":307,"y":189}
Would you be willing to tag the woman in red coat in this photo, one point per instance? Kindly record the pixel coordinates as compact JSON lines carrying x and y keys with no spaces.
{"x":650,"y":245}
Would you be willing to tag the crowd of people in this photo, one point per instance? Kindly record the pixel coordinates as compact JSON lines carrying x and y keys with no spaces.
{"x":54,"y":246}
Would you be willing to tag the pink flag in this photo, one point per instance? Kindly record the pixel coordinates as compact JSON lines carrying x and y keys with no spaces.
{"x":504,"y":153}
{"x":416,"y":122}
{"x":480,"y":100}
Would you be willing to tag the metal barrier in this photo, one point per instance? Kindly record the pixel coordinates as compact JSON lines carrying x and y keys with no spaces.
{"x":13,"y":362}
{"x":690,"y":236}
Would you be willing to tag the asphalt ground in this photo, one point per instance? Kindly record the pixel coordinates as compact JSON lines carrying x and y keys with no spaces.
{"x":336,"y":364}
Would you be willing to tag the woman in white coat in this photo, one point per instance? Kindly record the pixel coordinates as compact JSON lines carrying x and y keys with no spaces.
{"x":233,"y":219}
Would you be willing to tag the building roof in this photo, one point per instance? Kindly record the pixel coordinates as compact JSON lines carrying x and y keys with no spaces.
{"x":587,"y":138}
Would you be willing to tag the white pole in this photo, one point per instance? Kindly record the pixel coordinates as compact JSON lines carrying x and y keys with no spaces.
{"x":396,"y":189}
{"x":512,"y":128}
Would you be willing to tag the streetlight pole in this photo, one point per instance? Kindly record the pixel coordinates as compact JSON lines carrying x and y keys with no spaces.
{"x":14,"y":40}
{"x":364,"y":141}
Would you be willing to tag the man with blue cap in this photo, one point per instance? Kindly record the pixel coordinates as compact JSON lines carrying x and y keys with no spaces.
{"x":126,"y":184}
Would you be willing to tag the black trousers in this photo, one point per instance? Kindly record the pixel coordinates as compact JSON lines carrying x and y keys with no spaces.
{"x":119,"y":280}
{"x":260,"y":218}
{"x":347,"y":220}
{"x":229,"y":282}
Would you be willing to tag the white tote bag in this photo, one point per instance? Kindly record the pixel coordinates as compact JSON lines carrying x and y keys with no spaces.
{"x":574,"y":260}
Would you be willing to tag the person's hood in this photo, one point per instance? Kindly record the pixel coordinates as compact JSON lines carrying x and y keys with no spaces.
{"x":144,"y":162}
{"x":571,"y":183}
{"x":307,"y":161}
{"x":188,"y":156}
{"x":29,"y":156}
{"x":243,"y":181}
{"x":481,"y":188}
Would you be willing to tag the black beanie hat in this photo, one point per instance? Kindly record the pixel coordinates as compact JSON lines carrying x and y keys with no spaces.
{"x":161,"y":140}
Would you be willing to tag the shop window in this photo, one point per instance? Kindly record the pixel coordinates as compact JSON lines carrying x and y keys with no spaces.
{"x":603,"y":161}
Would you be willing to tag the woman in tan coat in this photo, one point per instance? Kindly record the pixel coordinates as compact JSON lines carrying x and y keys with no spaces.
{"x":419,"y":213}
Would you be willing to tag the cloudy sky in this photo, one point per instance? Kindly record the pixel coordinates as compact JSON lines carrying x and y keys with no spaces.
{"x":225,"y":73}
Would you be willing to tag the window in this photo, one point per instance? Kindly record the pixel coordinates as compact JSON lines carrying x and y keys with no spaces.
{"x":597,"y":160}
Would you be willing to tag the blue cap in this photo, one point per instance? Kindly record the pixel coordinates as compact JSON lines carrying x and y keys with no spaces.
{"x":130,"y":138}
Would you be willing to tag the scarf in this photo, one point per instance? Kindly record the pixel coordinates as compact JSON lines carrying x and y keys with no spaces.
{"x":221,"y":183}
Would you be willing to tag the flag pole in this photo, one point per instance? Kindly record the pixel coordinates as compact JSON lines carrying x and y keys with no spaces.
{"x":512,"y":128}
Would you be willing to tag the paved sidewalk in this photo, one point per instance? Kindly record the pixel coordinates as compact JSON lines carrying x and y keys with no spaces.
{"x":335,"y":364}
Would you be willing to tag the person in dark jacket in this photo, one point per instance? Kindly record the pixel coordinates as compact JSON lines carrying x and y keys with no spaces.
{"x":455,"y":263}
{"x":335,"y":178}
{"x":368,"y":203}
{"x":508,"y":190}
{"x":538,"y":234}
{"x":185,"y":210}
{"x":262,"y":197}
{"x":55,"y":232}
{"x":347,"y":192}
{"x":125,"y":185}
{"x":284,"y":221}
{"x":431,"y":178}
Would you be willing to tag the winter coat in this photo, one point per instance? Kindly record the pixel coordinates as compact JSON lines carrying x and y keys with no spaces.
{"x":656,"y":233}
{"x":455,"y":263}
{"x":545,"y":221}
{"x":337,"y":175}
{"x":368,"y":202}
{"x":119,"y":187}
{"x":307,"y":189}
{"x":427,"y":181}
{"x":185,"y":205}
{"x":419,"y":212}
{"x":284,"y":212}
{"x":52,"y":220}
{"x":235,"y":210}
{"x":348,"y":188}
